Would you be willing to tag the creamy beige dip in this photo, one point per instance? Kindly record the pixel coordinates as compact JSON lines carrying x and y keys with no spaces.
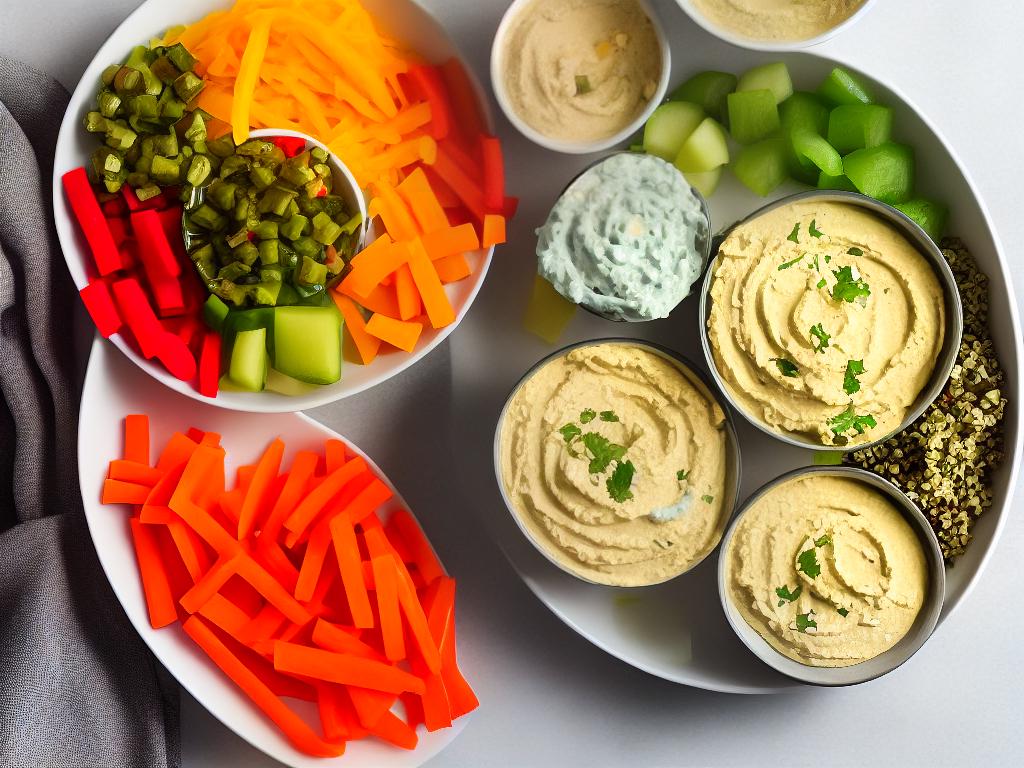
{"x":816,"y":548}
{"x":673,"y":435}
{"x":773,"y":310}
{"x":581,"y":70}
{"x":777,"y":20}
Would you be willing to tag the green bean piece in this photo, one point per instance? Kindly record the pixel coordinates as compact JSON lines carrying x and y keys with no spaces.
{"x":181,"y":58}
{"x":311,"y":272}
{"x":188,"y":86}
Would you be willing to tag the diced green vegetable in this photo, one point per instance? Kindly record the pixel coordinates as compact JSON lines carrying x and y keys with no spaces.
{"x":265,"y":293}
{"x":708,"y":90}
{"x":294,"y":227}
{"x":762,"y":167}
{"x":818,"y":151}
{"x":773,"y":77}
{"x":669,"y":126}
{"x":885,"y":172}
{"x":307,"y":343}
{"x":753,"y":115}
{"x":929,"y":215}
{"x":248,"y":366}
{"x":325,"y":231}
{"x":214,"y":312}
{"x":804,"y":111}
{"x":269,"y":251}
{"x":843,"y":87}
{"x":826,"y":181}
{"x":705,"y":150}
{"x":859,"y":126}
{"x":705,"y":182}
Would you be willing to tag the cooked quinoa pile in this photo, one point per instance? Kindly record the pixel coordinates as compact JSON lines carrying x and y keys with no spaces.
{"x":945,"y":459}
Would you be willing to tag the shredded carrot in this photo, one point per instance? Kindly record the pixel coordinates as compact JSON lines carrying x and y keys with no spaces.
{"x":248,"y":74}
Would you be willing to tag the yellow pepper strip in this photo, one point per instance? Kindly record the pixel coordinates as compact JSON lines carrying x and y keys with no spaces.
{"x":248,"y":74}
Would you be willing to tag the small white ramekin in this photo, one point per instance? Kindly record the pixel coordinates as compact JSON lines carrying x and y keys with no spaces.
{"x":562,"y":145}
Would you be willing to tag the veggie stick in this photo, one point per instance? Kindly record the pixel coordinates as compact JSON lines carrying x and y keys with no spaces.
{"x":155,"y":584}
{"x":366,"y":345}
{"x":494,"y":174}
{"x":397,"y":218}
{"x":370,"y":705}
{"x":494,"y":230}
{"x":415,"y":190}
{"x":452,"y":268}
{"x":386,"y":583}
{"x":381,"y":300}
{"x":121,"y":492}
{"x":209,"y":364}
{"x":393,"y":730}
{"x":313,"y":561}
{"x":154,"y":247}
{"x":366,"y":501}
{"x":176,"y":453}
{"x":367,"y":275}
{"x":334,"y":454}
{"x":398,"y":333}
{"x":331,"y":701}
{"x":256,"y":495}
{"x":333,"y":638}
{"x":340,"y":668}
{"x":136,"y":438}
{"x":272,"y":590}
{"x":248,"y":76}
{"x":302,"y":468}
{"x":416,"y":542}
{"x":463,"y":97}
{"x":412,"y":609}
{"x":350,"y":566}
{"x":137,"y":312}
{"x":460,"y":696}
{"x":450,"y":241}
{"x":464,"y":186}
{"x":300,"y":734}
{"x":211,"y":582}
{"x":90,"y":218}
{"x":429,"y":85}
{"x":317,"y":499}
{"x":435,"y":300}
{"x":100,"y":306}
{"x":273,"y":558}
{"x":223,"y":613}
{"x":409,"y":303}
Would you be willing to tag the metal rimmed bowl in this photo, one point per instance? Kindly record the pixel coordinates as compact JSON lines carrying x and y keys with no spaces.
{"x":925,"y":246}
{"x":885,"y":662}
{"x":703,"y":241}
{"x":695,"y":377}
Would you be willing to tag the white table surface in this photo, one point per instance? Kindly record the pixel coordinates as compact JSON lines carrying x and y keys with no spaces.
{"x":550,"y":698}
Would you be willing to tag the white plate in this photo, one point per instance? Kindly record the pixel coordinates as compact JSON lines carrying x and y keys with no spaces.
{"x":408,"y":22}
{"x":677,"y":630}
{"x":114,"y":388}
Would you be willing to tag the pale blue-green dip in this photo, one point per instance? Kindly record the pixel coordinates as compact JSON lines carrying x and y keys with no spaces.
{"x":627,"y":239}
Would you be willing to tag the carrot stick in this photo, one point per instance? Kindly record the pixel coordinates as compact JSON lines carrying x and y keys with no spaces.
{"x":120,"y":492}
{"x":413,"y":612}
{"x":333,"y":638}
{"x":397,"y":218}
{"x":270,"y":555}
{"x":332,"y":702}
{"x":463,"y":185}
{"x":313,"y":561}
{"x":494,"y":230}
{"x":367,"y":275}
{"x":398,"y":333}
{"x":134,"y":472}
{"x":151,"y":515}
{"x":452,"y":268}
{"x":435,"y":300}
{"x":392,"y":729}
{"x":370,"y":705}
{"x":294,"y":728}
{"x":450,"y":241}
{"x":262,"y":626}
{"x":346,"y":550}
{"x":340,"y":668}
{"x":190,"y":547}
{"x":386,"y":583}
{"x":416,"y":542}
{"x":355,"y":326}
{"x":176,"y":453}
{"x":223,"y":613}
{"x":416,"y":191}
{"x":334,"y":454}
{"x":367,"y":501}
{"x":136,"y":438}
{"x":211,"y":582}
{"x":299,"y":474}
{"x":263,"y":476}
{"x":272,"y":590}
{"x":428,"y":84}
{"x":409,"y":305}
{"x":494,"y":174}
{"x":317,"y":499}
{"x":155,"y":585}
{"x":248,"y":76}
{"x":460,"y":695}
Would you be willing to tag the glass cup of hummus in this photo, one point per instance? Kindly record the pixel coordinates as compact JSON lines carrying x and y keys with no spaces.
{"x":831,"y":575}
{"x":617,"y":462}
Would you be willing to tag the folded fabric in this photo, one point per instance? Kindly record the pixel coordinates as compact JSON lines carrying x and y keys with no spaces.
{"x":78,"y":687}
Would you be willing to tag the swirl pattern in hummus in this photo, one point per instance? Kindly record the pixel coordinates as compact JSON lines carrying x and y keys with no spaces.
{"x":674,"y":434}
{"x":872,"y":581}
{"x":762,"y":311}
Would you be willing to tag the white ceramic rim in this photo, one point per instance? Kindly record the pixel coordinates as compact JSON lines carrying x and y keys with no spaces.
{"x":251,"y":402}
{"x":562,"y":145}
{"x":769,"y":46}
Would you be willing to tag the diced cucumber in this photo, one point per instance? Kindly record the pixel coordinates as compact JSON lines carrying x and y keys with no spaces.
{"x":708,"y":89}
{"x":773,"y":77}
{"x":705,"y":150}
{"x":929,"y":215}
{"x":307,"y":343}
{"x":705,"y":182}
{"x":814,"y":148}
{"x":803,"y":111}
{"x":214,"y":312}
{"x":239,"y":321}
{"x":669,"y":126}
{"x":762,"y":167}
{"x":753,"y":115}
{"x":248,"y":368}
{"x":885,"y":172}
{"x":286,"y":385}
{"x":826,"y":181}
{"x":859,"y":126}
{"x":843,"y":87}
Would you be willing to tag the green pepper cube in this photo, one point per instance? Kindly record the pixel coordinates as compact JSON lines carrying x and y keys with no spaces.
{"x":262,"y":177}
{"x":307,"y":246}
{"x":762,"y":167}
{"x":205,"y":263}
{"x":773,"y":77}
{"x":214,"y":312}
{"x":708,"y":90}
{"x":275,"y":200}
{"x":265,"y":293}
{"x":325,"y":231}
{"x":827,"y":181}
{"x":929,"y":215}
{"x":181,"y":58}
{"x":294,"y":227}
{"x":166,"y":170}
{"x":859,"y":126}
{"x":753,"y":115}
{"x":247,"y":253}
{"x":199,"y":170}
{"x":266,"y":230}
{"x":843,"y":87}
{"x":188,"y":86}
{"x":311,"y":272}
{"x":885,"y":172}
{"x":269,"y":253}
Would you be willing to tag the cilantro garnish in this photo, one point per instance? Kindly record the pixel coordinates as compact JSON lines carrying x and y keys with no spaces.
{"x":855,"y":251}
{"x":786,"y":367}
{"x":794,"y":236}
{"x":790,"y":263}
{"x":582,"y":85}
{"x":570,"y":431}
{"x":707,"y":498}
{"x":619,"y":482}
{"x":785,"y":596}
{"x":588,"y":416}
{"x":603,"y":450}
{"x":608,"y":416}
{"x":808,"y":563}
{"x":842,"y":612}
{"x":848,"y":419}
{"x":822,"y":283}
{"x":849,"y":288}
{"x":828,"y":259}
{"x":818,"y":333}
{"x":823,"y":541}
{"x":805,"y":622}
{"x":854,"y":368}
{"x":682,"y":475}
{"x":814,"y":230}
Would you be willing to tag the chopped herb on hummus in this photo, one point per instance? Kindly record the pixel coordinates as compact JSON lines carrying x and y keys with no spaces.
{"x":794,"y":236}
{"x":854,"y":251}
{"x":805,"y":622}
{"x":791,"y":262}
{"x":785,"y":596}
{"x":849,"y":419}
{"x":588,"y":416}
{"x":682,"y":475}
{"x":818,"y":334}
{"x":609,"y":416}
{"x":786,"y":367}
{"x":850,"y":287}
{"x":813,"y":231}
{"x":823,"y":541}
{"x":854,"y":368}
{"x":582,"y":85}
{"x":807,"y":563}
{"x":620,"y":481}
{"x":570,"y":431}
{"x":707,"y":498}
{"x":842,"y":612}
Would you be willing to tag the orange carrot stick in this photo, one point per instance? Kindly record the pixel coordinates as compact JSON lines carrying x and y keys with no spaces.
{"x":367,"y":501}
{"x":193,"y":553}
{"x":370,"y":705}
{"x":398,"y":333}
{"x":450,"y":241}
{"x":223,"y":613}
{"x":409,"y":305}
{"x":317,"y":499}
{"x":412,"y":609}
{"x":120,"y":492}
{"x":340,"y":668}
{"x":367,"y":275}
{"x":333,"y":638}
{"x":494,"y":230}
{"x":386,"y":583}
{"x":392,"y":729}
{"x":264,"y":474}
{"x":272,"y":590}
{"x":136,"y":438}
{"x":177,"y":452}
{"x":155,"y":584}
{"x":299,"y":474}
{"x":460,"y":696}
{"x":453,"y":268}
{"x":334,"y":454}
{"x":134,"y":472}
{"x":435,"y":300}
{"x":346,"y":550}
{"x":415,"y":190}
{"x":416,"y":542}
{"x":211,"y":582}
{"x":313,"y":561}
{"x":355,"y":326}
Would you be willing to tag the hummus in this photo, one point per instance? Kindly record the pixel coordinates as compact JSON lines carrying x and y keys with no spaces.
{"x":627,"y":239}
{"x":825,"y":322}
{"x":651,"y":512}
{"x":777,"y":20}
{"x":581,"y":70}
{"x":827,"y":571}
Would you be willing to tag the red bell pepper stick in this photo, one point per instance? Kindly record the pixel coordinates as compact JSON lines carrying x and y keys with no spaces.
{"x":494,"y":174}
{"x":97,"y":300}
{"x":138,"y":314}
{"x":92,"y":221}
{"x":176,"y":357}
{"x":429,"y":85}
{"x":154,"y":246}
{"x":209,"y":364}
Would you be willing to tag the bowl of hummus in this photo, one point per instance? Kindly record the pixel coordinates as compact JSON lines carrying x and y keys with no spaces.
{"x":831,"y":575}
{"x":830,"y":320}
{"x":579,"y":76}
{"x":775,"y":25}
{"x":617,"y":461}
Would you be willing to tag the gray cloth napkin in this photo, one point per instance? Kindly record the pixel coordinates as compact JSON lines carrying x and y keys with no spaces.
{"x":78,"y":688}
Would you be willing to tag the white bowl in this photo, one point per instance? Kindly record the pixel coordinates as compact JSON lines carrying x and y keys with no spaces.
{"x":407,"y":21}
{"x":562,"y":145}
{"x":771,"y":45}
